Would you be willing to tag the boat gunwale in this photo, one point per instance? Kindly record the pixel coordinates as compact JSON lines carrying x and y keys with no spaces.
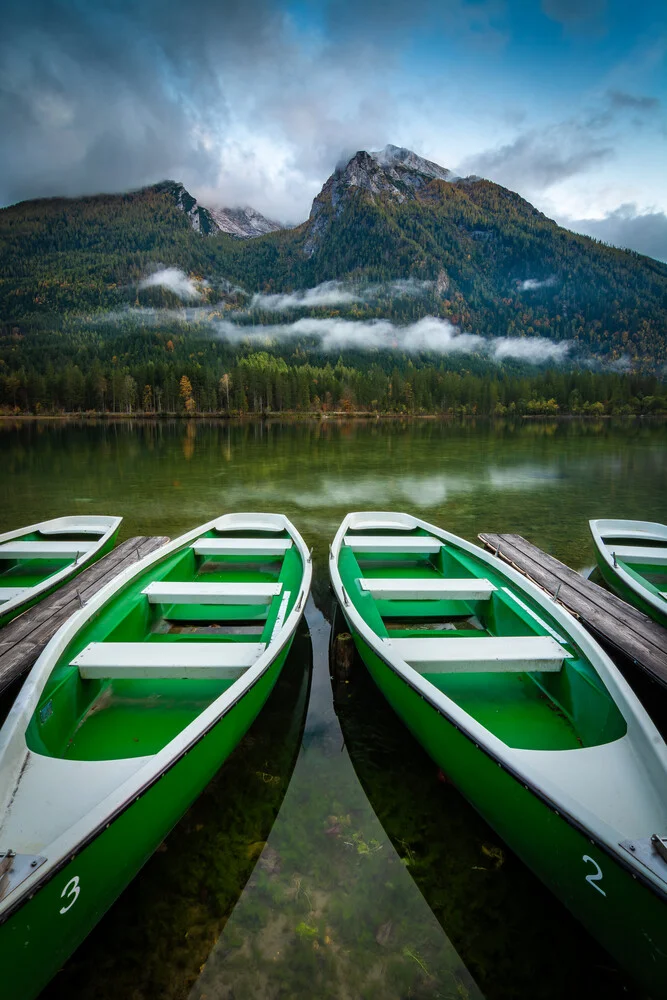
{"x":481,"y":737}
{"x":54,"y":581}
{"x":657,"y":602}
{"x":131,"y":789}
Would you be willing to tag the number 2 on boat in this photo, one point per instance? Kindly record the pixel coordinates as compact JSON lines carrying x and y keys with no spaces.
{"x":592,"y":879}
{"x":71,"y":889}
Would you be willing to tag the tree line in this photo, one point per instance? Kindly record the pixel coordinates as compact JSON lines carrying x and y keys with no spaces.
{"x":258,"y":382}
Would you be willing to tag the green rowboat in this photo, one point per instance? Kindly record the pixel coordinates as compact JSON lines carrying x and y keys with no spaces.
{"x":632,"y":557}
{"x":126,"y":716}
{"x":527,"y":716}
{"x":35,"y":560}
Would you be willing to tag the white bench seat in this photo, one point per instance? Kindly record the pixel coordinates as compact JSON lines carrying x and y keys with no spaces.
{"x":393,"y":543}
{"x":428,"y":590}
{"x":174,"y":592}
{"x":11,"y":593}
{"x":256,"y":523}
{"x":646,"y":554}
{"x":72,"y":529}
{"x":44,"y":550}
{"x":638,"y":533}
{"x":241,"y":546}
{"x":214,"y":660}
{"x":480,"y":654}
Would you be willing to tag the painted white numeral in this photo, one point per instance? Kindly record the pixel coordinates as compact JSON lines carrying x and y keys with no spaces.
{"x":595,"y":876}
{"x":71,"y":889}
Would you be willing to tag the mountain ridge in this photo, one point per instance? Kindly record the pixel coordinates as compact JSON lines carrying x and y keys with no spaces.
{"x":494,"y":264}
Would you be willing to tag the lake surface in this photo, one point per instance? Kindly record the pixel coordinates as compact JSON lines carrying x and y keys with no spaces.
{"x":329,"y":858}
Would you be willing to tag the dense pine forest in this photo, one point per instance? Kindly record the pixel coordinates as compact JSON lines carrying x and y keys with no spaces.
{"x":159,"y":372}
{"x":80,"y":331}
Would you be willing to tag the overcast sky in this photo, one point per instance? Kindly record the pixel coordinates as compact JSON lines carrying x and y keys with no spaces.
{"x":255,"y":102}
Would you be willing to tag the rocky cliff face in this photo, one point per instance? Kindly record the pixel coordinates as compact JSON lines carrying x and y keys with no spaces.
{"x":394,"y":172}
{"x":243,"y":223}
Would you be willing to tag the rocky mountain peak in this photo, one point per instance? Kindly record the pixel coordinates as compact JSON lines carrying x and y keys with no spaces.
{"x":394,"y":171}
{"x":244,"y":223}
{"x":393,"y":158}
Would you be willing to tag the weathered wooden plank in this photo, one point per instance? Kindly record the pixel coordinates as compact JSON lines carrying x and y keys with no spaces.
{"x":24,"y":639}
{"x":626,"y":628}
{"x":597,"y":606}
{"x":598,"y":595}
{"x":123,"y":555}
{"x":627,"y":616}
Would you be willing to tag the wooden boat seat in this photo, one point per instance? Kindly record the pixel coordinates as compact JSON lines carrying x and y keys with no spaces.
{"x":72,"y":529}
{"x":429,"y":590}
{"x":391,"y":543}
{"x":485,"y":653}
{"x":241,"y":546}
{"x":11,"y":593}
{"x":174,"y":592}
{"x":44,"y":550}
{"x":212,"y":660}
{"x":646,"y":554}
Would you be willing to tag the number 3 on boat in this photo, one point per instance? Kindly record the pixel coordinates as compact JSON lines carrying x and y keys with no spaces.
{"x":525,"y":714}
{"x":126,"y":716}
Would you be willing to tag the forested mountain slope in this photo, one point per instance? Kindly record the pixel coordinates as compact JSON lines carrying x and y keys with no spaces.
{"x":485,"y":259}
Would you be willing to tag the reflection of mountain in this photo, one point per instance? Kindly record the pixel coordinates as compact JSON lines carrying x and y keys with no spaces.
{"x":431,"y":489}
{"x":483,"y":896}
{"x":153,"y":942}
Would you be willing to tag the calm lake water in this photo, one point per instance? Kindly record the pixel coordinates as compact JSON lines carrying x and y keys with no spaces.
{"x":328,"y":858}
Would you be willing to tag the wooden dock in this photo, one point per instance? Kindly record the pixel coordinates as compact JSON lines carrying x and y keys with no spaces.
{"x":23,"y":639}
{"x":610,"y":619}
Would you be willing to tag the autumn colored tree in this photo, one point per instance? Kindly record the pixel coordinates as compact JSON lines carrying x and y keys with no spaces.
{"x":185,"y":392}
{"x":224,"y":387}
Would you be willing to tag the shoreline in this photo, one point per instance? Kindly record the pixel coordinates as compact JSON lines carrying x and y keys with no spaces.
{"x":292,"y":416}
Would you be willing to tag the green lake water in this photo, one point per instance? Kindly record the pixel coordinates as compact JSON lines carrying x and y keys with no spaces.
{"x":329,"y":858}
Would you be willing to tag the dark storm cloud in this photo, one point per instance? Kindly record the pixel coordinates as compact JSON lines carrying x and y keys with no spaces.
{"x":227,"y":97}
{"x":110,"y":95}
{"x":626,"y":227}
{"x":538,"y":159}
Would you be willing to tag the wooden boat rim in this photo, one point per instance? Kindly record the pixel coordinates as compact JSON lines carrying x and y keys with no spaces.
{"x":136,"y":774}
{"x":652,"y":531}
{"x":108,"y":523}
{"x":523,"y":764}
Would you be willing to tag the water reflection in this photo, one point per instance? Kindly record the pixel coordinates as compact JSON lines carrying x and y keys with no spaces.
{"x":332,"y":890}
{"x":543,"y":480}
{"x":152,"y":944}
{"x":510,"y":931}
{"x":330,"y":910}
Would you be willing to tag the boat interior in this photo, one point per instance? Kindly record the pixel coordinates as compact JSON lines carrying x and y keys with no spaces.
{"x":642,"y":554}
{"x":32,"y":558}
{"x":167,"y":644}
{"x":478,"y":639}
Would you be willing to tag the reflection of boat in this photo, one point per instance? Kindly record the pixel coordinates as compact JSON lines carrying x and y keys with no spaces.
{"x":161,"y":929}
{"x":632,"y":557}
{"x":527,"y":716}
{"x":477,"y":889}
{"x":37,"y":559}
{"x":126,"y":716}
